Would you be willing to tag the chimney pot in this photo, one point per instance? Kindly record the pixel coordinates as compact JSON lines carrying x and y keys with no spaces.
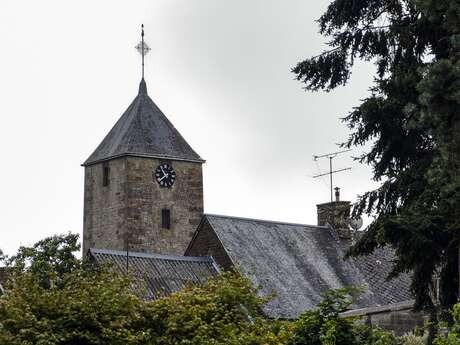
{"x":337,"y":193}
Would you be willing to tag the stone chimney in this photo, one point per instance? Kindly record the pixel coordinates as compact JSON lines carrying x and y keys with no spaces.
{"x":336,"y":214}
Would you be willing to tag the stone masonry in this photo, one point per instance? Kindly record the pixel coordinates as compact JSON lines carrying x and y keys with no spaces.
{"x":398,"y":318}
{"x":128,"y":209}
{"x":337,"y":215}
{"x":206,"y":243}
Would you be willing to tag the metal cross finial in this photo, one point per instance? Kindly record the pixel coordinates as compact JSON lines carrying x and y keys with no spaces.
{"x":142,"y":48}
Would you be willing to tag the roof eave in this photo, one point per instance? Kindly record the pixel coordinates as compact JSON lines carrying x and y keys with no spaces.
{"x":95,"y":251}
{"x":195,"y":234}
{"x":141,"y":155}
{"x":404,"y":305}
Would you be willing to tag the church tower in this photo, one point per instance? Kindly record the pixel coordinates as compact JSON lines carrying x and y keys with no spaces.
{"x":143,"y":185}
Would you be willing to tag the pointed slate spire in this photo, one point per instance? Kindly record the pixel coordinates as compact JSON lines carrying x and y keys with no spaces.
{"x":142,"y":87}
{"x":143,"y":131}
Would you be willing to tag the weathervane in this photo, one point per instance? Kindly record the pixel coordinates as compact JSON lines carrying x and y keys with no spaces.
{"x":142,"y":48}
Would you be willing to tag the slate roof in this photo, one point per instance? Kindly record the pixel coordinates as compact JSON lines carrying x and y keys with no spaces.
{"x":143,"y":131}
{"x":160,"y":275}
{"x":375,"y":269}
{"x":298,"y":262}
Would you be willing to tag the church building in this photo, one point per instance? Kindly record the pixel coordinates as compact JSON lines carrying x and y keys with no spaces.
{"x":143,"y":212}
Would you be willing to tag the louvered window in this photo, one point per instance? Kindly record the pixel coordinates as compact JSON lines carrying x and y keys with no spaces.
{"x":165,"y":218}
{"x":105,"y":174}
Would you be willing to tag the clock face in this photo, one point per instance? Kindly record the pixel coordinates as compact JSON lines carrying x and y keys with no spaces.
{"x":165,"y":175}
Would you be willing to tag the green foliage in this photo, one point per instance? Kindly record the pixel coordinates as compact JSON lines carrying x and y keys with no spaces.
{"x":453,"y":336}
{"x":92,"y":307}
{"x":47,"y":260}
{"x":324,"y":326}
{"x":223,"y":311}
{"x":54,"y":299}
{"x":87,"y":308}
{"x":411,"y":123}
{"x":414,"y":339}
{"x":96,"y":307}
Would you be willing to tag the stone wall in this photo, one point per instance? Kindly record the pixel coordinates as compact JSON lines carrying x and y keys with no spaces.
{"x":337,"y":215}
{"x":397,"y":317}
{"x":104,"y":210}
{"x":206,"y":243}
{"x":128,"y":210}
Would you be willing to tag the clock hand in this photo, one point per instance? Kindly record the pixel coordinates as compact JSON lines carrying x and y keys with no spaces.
{"x":164,"y":175}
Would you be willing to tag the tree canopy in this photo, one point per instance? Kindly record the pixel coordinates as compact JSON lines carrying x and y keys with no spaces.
{"x":97,"y":307}
{"x":53,"y":298}
{"x":88,"y":305}
{"x":324,"y":326}
{"x":48,"y":259}
{"x":411,"y":122}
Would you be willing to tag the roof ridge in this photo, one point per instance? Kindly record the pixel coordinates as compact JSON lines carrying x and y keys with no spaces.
{"x":143,"y":155}
{"x":265,"y":221}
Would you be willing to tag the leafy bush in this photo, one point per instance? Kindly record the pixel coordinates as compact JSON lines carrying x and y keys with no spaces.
{"x":87,"y":308}
{"x":222,"y":311}
{"x":95,"y":307}
{"x":453,"y":336}
{"x":55,"y":299}
{"x":325,"y":326}
{"x":414,"y":339}
{"x":47,"y":260}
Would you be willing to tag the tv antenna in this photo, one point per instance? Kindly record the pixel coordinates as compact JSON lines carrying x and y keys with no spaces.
{"x":330,"y":156}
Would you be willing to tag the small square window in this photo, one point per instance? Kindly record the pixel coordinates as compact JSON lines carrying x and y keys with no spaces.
{"x":105,"y":174}
{"x":166,"y":219}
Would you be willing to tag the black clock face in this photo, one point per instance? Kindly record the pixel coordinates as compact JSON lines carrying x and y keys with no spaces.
{"x":165,"y":175}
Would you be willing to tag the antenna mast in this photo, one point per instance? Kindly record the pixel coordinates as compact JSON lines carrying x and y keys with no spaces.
{"x":331,"y":156}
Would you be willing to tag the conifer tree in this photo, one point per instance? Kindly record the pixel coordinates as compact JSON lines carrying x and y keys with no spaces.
{"x":411,"y":122}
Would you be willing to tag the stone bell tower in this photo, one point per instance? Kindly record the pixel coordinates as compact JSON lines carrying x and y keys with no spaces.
{"x":143,"y":185}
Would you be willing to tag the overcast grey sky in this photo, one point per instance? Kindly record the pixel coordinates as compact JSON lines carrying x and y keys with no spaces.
{"x":219,"y":70}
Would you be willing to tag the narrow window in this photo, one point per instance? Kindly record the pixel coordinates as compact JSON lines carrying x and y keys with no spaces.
{"x":105,"y":174}
{"x":166,"y":219}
